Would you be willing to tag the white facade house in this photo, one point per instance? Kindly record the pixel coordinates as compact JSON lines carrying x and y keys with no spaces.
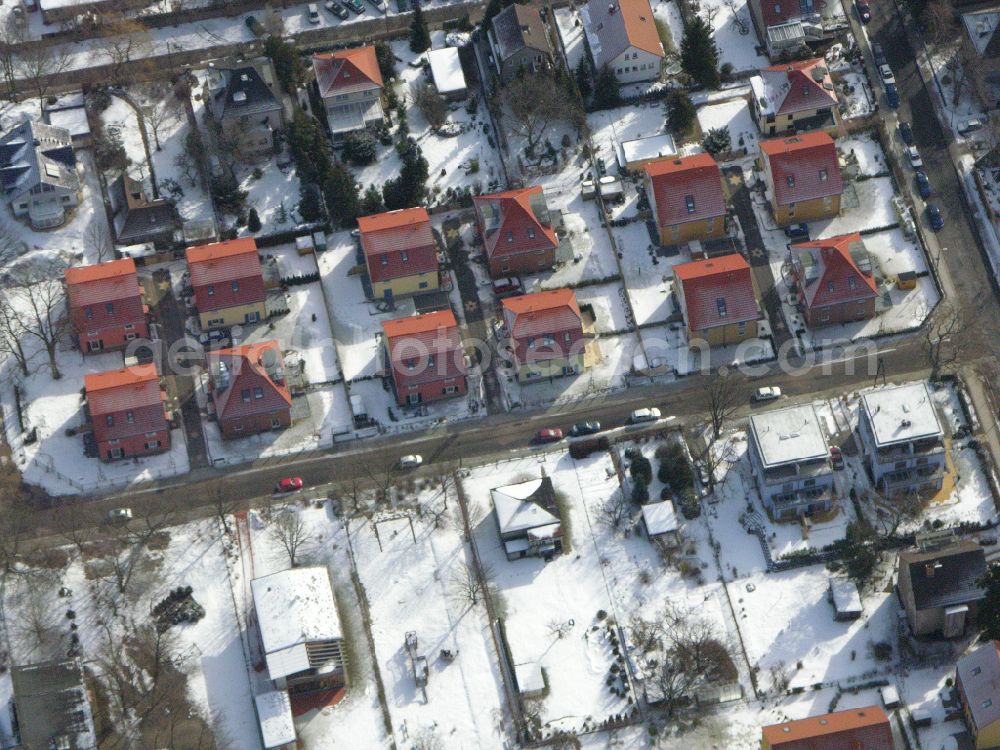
{"x":622,"y":34}
{"x":903,"y":439}
{"x":38,"y":173}
{"x":789,"y":458}
{"x":528,"y":519}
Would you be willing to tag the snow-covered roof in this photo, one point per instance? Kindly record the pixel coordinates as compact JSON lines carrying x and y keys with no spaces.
{"x":446,"y":69}
{"x":529,"y":677}
{"x":846,"y":598}
{"x":294,"y":607}
{"x":660,"y":518}
{"x":274,"y":713}
{"x":979,"y":673}
{"x":981,"y":26}
{"x":901,"y":413}
{"x":516,"y":509}
{"x":74,"y":120}
{"x":788,"y":435}
{"x":643,"y":149}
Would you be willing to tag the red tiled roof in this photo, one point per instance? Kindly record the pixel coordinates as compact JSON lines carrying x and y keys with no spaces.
{"x":867,"y":727}
{"x":717,"y":291}
{"x":798,"y":164}
{"x":542,"y":312}
{"x":832,"y":284}
{"x":347,"y":70}
{"x":687,"y":189}
{"x":120,"y":390}
{"x":103,"y":282}
{"x":223,"y":261}
{"x":793,"y":87}
{"x":417,"y":324}
{"x":246,"y":368}
{"x":432,"y":334}
{"x":511,"y":235}
{"x":777,"y":12}
{"x":395,"y":230}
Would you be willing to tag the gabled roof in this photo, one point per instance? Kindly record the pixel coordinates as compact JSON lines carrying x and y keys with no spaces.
{"x":794,"y":87}
{"x":526,"y":505}
{"x":717,"y":291}
{"x":845,"y":723}
{"x":415,"y":325}
{"x":518,"y":26}
{"x":34,"y":153}
{"x":804,"y":167}
{"x":979,"y":673}
{"x":541,"y":313}
{"x":830,"y":272}
{"x":507,"y":219}
{"x":243,"y":368}
{"x":241,"y":91}
{"x":403,"y":229}
{"x":945,"y":577}
{"x":776,"y":12}
{"x":347,"y":71}
{"x":136,"y":217}
{"x":686,"y":189}
{"x":119,"y":390}
{"x":617,"y":25}
{"x":981,"y":25}
{"x":220,"y":262}
{"x":101,"y":282}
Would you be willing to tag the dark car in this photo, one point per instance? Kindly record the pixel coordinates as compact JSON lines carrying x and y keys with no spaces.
{"x":879,"y":54}
{"x":548,"y":435}
{"x":892,"y":95}
{"x":923,"y":185}
{"x":797,"y":232}
{"x":585,"y":428}
{"x":864,"y":10}
{"x":906,"y":133}
{"x":934,"y":217}
{"x":357,"y":6}
{"x":337,"y":9}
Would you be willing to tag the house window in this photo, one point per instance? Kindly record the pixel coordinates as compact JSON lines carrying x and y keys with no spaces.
{"x":210,"y":290}
{"x":422,"y":285}
{"x":710,"y":224}
{"x":129,"y":336}
{"x":238,"y":427}
{"x":258,"y":393}
{"x":404,"y":255}
{"x":109,"y":420}
{"x":976,"y":671}
{"x":741,"y":328}
{"x":852,"y":284}
{"x":410,"y":364}
{"x":245,"y":395}
{"x":385,"y":260}
{"x":689,"y":201}
{"x":829,"y":286}
{"x":531,"y":342}
{"x":152,"y":444}
{"x":790,"y":179}
{"x":129,"y":326}
{"x":720,"y":306}
{"x":109,"y":308}
{"x":531,"y":233}
{"x":822,"y":175}
{"x":567,"y":336}
{"x":987,"y":703}
{"x":510,"y":236}
{"x":88,"y":314}
{"x":449,"y":389}
{"x":130,"y":417}
{"x":235,"y":285}
{"x":430,"y":362}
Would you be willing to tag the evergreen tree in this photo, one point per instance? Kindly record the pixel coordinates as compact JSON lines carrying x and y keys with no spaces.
{"x":359,"y":148}
{"x":310,"y":207}
{"x":386,"y":61}
{"x":420,"y":37}
{"x":287,"y":63}
{"x":681,"y":112}
{"x":253,"y":221}
{"x":717,"y":141}
{"x":583,"y":80}
{"x":699,"y":55}
{"x":606,"y":94}
{"x":309,"y":148}
{"x":342,"y":193}
{"x":988,"y":617}
{"x":371,"y":202}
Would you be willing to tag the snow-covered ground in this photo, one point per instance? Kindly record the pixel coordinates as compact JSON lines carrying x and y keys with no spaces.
{"x":732,"y":31}
{"x":648,"y":273}
{"x":733,"y":115}
{"x":275,"y":194}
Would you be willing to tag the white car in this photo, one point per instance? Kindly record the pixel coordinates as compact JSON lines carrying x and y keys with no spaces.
{"x":886,"y":72}
{"x":915,"y":161}
{"x":767,"y":393}
{"x":644,"y":415}
{"x":120,"y":514}
{"x":410,"y":461}
{"x":313,"y":10}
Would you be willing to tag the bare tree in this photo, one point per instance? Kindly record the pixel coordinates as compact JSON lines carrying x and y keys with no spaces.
{"x":725,"y":393}
{"x":160,"y":113}
{"x":18,"y":518}
{"x":467,"y":586}
{"x":38,"y":621}
{"x":427,"y":738}
{"x":39,"y":66}
{"x":381,"y":470}
{"x":289,"y":530}
{"x":614,"y":510}
{"x":12,"y":335}
{"x":224,"y":505}
{"x":128,"y":544}
{"x":97,"y":239}
{"x":11,"y":38}
{"x":123,"y":41}
{"x":939,"y":18}
{"x":430,"y":103}
{"x":891,"y":512}
{"x":943,"y":336}
{"x":37,"y":299}
{"x":532,"y":114}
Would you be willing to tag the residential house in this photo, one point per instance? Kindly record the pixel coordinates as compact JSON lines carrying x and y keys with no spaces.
{"x":138,"y":219}
{"x":275,"y":720}
{"x":248,"y":389}
{"x":802,"y":176}
{"x":546,"y":334}
{"x":833,"y":279}
{"x":299,"y":630}
{"x":518,"y":41}
{"x":126,"y":412}
{"x":69,"y":111}
{"x":856,"y":728}
{"x":350,"y":85}
{"x":38,"y":173}
{"x":446,"y":72}
{"x":228,"y":282}
{"x":661,"y":523}
{"x":787,"y":27}
{"x":400,"y":253}
{"x":939,"y":589}
{"x":790,"y":462}
{"x":977,"y":679}
{"x":528,"y":518}
{"x":981,"y":43}
{"x":686,"y":198}
{"x":517,"y":231}
{"x":622,"y":34}
{"x":718,"y":300}
{"x":245,"y":103}
{"x":794,"y":96}
{"x":425,"y":356}
{"x":106,"y":306}
{"x":50,"y":706}
{"x":903,"y":440}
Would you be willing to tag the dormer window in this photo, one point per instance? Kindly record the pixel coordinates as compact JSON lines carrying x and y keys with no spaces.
{"x":720,"y":306}
{"x":852,"y":283}
{"x":245,"y":395}
{"x":689,"y":202}
{"x":790,"y":179}
{"x":829,"y":286}
{"x":258,"y":393}
{"x":531,"y":233}
{"x":510,"y":237}
{"x":822,"y":175}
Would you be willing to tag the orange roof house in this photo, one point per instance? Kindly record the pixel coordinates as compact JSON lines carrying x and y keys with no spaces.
{"x":833,"y":280}
{"x":718,"y":299}
{"x":802,"y":175}
{"x":249,"y":391}
{"x":622,"y":34}
{"x":228,"y":282}
{"x":106,"y":305}
{"x":351,"y":86}
{"x":425,"y":356}
{"x":687,"y":198}
{"x":126,"y":412}
{"x":546,"y":333}
{"x":400,"y":252}
{"x":866,"y":728}
{"x":517,"y":231}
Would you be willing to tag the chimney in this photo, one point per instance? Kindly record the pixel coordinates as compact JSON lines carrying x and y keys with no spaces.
{"x":611,"y":9}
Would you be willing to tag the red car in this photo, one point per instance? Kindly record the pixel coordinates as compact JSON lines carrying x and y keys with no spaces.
{"x":288,"y":484}
{"x":550,"y":435}
{"x":836,"y":457}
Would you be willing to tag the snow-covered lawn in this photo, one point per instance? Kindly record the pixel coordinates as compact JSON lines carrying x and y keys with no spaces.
{"x":733,"y":32}
{"x":648,"y":274}
{"x":276,"y":188}
{"x":570,"y":28}
{"x":856,"y":94}
{"x":608,"y":304}
{"x":611,"y":127}
{"x":734,"y":115}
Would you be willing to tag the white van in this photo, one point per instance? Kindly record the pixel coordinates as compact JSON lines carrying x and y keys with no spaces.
{"x":314,"y":13}
{"x":644,"y":415}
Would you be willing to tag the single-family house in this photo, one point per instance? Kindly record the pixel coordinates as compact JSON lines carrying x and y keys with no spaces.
{"x":981,"y":43}
{"x":243,"y":100}
{"x":351,"y":87}
{"x":622,"y":35}
{"x":545,"y":331}
{"x":977,"y":679}
{"x":687,"y":199}
{"x":903,"y":439}
{"x":299,"y":629}
{"x":50,"y":706}
{"x":228,"y":282}
{"x":787,"y":27}
{"x":939,"y":589}
{"x":856,"y":728}
{"x":528,"y":518}
{"x":794,"y":96}
{"x":248,"y":388}
{"x":802,"y":177}
{"x":400,"y":253}
{"x":106,"y":306}
{"x":661,"y":524}
{"x":126,"y":412}
{"x":38,"y":173}
{"x":446,"y":72}
{"x":718,"y":299}
{"x":790,"y":462}
{"x":137,"y":218}
{"x":425,"y":356}
{"x":518,"y":41}
{"x":517,"y":231}
{"x":834,"y":281}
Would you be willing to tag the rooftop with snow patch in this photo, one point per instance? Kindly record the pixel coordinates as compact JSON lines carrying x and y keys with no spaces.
{"x":901,"y":413}
{"x":274,"y":712}
{"x":788,"y":435}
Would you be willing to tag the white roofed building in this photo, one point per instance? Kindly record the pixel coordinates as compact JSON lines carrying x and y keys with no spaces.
{"x":446,"y":71}
{"x":661,"y":523}
{"x":274,"y":715}
{"x":528,"y":518}
{"x":300,"y":629}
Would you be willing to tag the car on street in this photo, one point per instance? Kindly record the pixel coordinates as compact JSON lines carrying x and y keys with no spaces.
{"x":288,"y":484}
{"x":337,"y":9}
{"x":891,"y":95}
{"x":356,"y":5}
{"x":970,"y":126}
{"x":923,"y":185}
{"x":507,"y":286}
{"x":410,"y":461}
{"x":914,"y":156}
{"x":934,"y":217}
{"x":585,"y":428}
{"x":120,"y":515}
{"x":639,"y":416}
{"x":879,"y":54}
{"x":836,"y":457}
{"x":906,"y":133}
{"x":797,"y":232}
{"x":548,"y":435}
{"x":767,"y":393}
{"x":886,"y":72}
{"x":864,"y":10}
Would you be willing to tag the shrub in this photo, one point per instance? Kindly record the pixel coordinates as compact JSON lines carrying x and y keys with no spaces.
{"x":360,"y":148}
{"x":253,"y":221}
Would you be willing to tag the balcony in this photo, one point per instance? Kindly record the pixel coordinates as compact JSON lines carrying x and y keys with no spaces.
{"x":796,"y":472}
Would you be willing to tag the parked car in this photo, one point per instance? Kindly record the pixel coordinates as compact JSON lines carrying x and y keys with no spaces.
{"x":906,"y":133}
{"x":337,"y":9}
{"x":288,"y":484}
{"x":356,"y":5}
{"x":410,"y":461}
{"x":934,"y":217}
{"x":644,"y":415}
{"x":923,"y":185}
{"x":886,"y":72}
{"x":836,"y":457}
{"x":914,"y":156}
{"x":879,"y":54}
{"x":120,"y":515}
{"x":891,"y":95}
{"x":215,"y":338}
{"x":314,"y":13}
{"x":767,"y":393}
{"x":864,"y":10}
{"x":379,"y":4}
{"x":970,"y":126}
{"x":798,"y":232}
{"x":585,"y":428}
{"x":548,"y":435}
{"x":507,"y":286}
